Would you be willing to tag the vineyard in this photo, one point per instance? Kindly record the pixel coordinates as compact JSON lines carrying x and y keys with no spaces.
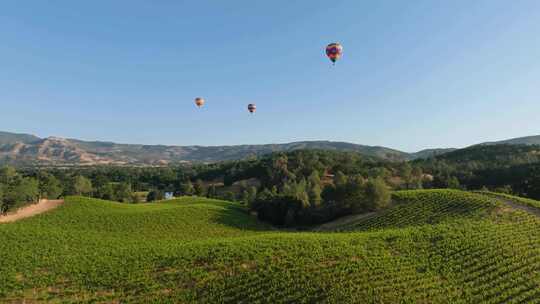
{"x":436,"y":246}
{"x":520,"y":200}
{"x":421,"y":207}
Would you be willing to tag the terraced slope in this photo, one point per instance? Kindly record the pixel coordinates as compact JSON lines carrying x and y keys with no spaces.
{"x":434,"y":247}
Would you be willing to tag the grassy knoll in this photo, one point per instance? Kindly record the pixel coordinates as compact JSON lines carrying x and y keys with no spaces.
{"x":433,"y":247}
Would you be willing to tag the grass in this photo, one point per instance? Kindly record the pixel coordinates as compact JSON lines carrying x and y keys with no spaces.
{"x":433,"y":247}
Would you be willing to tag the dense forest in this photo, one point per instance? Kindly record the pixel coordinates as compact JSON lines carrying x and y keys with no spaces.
{"x":302,"y":187}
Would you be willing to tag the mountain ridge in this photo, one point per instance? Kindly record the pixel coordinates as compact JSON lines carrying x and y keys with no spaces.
{"x":27,"y":149}
{"x":525,"y":140}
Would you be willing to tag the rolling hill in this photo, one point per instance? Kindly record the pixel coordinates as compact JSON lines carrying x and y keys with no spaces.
{"x":438,"y":246}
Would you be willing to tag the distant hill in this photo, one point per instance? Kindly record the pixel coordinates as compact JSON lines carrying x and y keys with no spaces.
{"x":25,"y":149}
{"x":527,"y":140}
{"x":10,"y":138}
{"x":28,"y":149}
{"x":430,"y":152}
{"x":493,"y":155}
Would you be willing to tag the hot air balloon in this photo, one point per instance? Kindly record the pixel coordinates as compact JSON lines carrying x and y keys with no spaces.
{"x":334,"y":52}
{"x":252,"y":108}
{"x":199,"y":101}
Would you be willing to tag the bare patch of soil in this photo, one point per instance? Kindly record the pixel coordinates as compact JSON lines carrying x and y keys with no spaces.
{"x":31,"y":210}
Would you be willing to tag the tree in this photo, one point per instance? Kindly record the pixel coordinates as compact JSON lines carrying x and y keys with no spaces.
{"x":199,"y":188}
{"x":377,"y":194}
{"x":82,"y":185}
{"x":122,"y":192}
{"x":187,"y":188}
{"x":245,"y":197}
{"x":340,"y":179}
{"x":49,"y":186}
{"x":303,"y":197}
{"x":315,"y":195}
{"x":252,"y":194}
{"x":105,"y":191}
{"x":353,"y":195}
{"x":2,"y":199}
{"x":212,"y":191}
{"x":405,"y":171}
{"x":417,"y":177}
{"x":7,"y":175}
{"x":288,"y":188}
{"x":314,"y":178}
{"x":20,"y":191}
{"x":453,"y":183}
{"x":155,"y":195}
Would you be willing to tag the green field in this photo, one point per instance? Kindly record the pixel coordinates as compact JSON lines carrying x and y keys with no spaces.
{"x":433,"y":246}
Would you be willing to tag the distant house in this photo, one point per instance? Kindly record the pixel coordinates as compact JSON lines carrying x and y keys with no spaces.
{"x":169,"y":195}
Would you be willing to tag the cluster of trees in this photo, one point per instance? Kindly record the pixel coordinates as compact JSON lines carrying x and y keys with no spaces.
{"x":308,"y":187}
{"x":301,"y":203}
{"x":16,"y":190}
{"x":513,"y":169}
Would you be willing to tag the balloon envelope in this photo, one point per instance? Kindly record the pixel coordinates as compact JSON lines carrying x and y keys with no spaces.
{"x":252,"y":107}
{"x":199,"y":101}
{"x":334,"y":51}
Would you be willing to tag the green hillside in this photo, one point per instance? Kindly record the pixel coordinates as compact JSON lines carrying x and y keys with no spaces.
{"x":421,"y":207}
{"x":451,"y":247}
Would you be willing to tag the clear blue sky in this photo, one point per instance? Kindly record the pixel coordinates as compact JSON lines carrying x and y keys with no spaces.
{"x":414,"y":75}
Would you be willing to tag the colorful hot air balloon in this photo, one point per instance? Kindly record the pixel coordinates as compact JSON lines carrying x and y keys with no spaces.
{"x":334,"y":52}
{"x":252,"y":107}
{"x":199,"y":101}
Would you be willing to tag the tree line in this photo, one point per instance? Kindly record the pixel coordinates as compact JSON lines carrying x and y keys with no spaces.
{"x":512,"y":169}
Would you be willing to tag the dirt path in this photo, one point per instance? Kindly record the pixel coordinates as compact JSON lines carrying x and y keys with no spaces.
{"x":511,"y":203}
{"x":31,"y":210}
{"x":514,"y":205}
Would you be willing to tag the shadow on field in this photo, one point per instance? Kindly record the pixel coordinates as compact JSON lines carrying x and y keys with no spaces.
{"x":239,"y":217}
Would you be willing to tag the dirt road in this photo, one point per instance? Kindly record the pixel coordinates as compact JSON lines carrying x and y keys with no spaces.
{"x":522,"y":207}
{"x":31,"y":210}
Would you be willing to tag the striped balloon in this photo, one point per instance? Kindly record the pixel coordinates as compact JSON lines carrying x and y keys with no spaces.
{"x":334,"y":51}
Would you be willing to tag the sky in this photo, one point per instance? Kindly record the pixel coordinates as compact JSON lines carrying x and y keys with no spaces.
{"x":414,"y":74}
